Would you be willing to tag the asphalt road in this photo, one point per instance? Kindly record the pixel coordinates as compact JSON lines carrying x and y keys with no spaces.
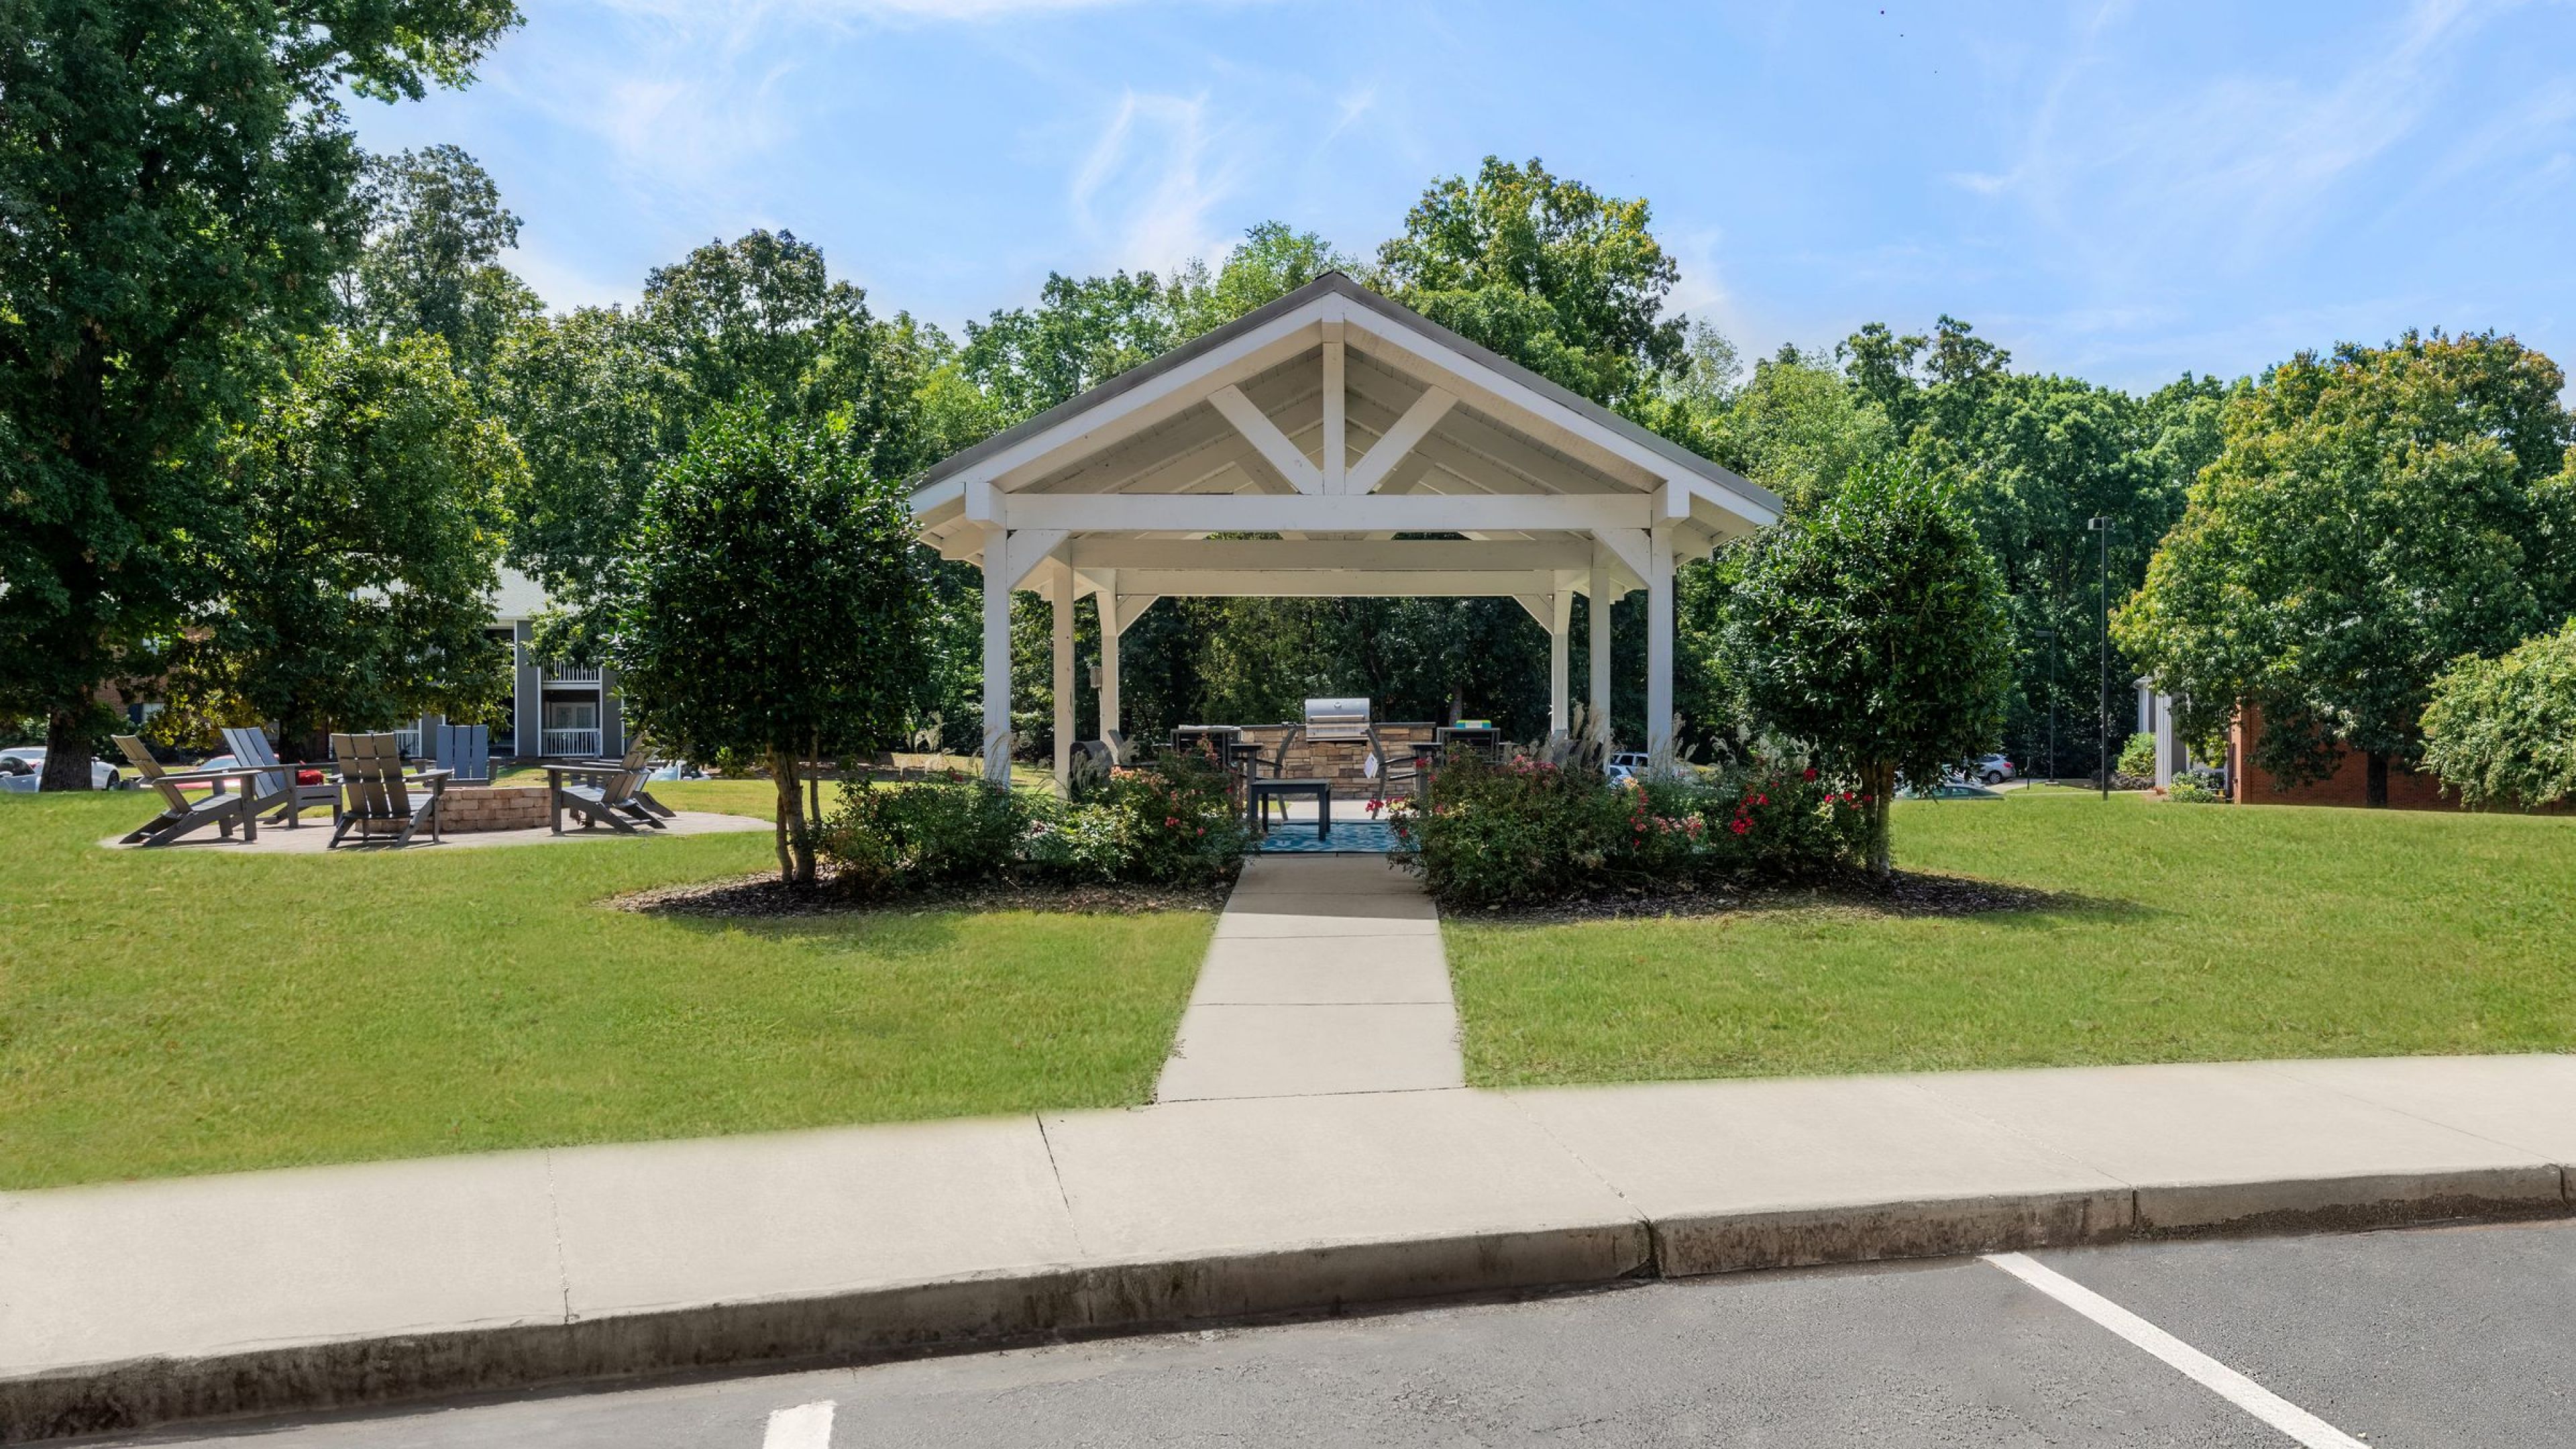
{"x":2431,"y":1338}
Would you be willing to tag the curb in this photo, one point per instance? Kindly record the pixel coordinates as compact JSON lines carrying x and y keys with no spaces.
{"x":993,"y":1310}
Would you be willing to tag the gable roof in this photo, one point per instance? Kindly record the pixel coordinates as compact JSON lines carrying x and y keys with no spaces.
{"x":1336,"y":284}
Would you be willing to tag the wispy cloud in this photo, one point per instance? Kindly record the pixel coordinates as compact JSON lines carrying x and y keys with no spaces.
{"x":2132,"y":172}
{"x":1143,"y":192}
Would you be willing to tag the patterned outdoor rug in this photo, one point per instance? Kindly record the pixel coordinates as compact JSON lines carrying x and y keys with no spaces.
{"x":1360,"y":836}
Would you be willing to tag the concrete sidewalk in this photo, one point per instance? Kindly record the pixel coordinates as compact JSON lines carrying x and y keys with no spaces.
{"x":1325,"y":975}
{"x":131,"y":1304}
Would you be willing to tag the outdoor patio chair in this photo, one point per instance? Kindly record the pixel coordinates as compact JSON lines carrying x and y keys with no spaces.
{"x":183,"y":813}
{"x":1260,"y":791}
{"x":607,"y":794}
{"x":1390,"y":775}
{"x":639,"y":758}
{"x":376,"y":796}
{"x":278,"y":791}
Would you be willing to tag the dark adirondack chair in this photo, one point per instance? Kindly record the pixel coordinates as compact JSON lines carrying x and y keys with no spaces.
{"x":639,"y":758}
{"x":377,"y":799}
{"x":278,"y":791}
{"x":463,"y":751}
{"x":183,"y":813}
{"x":605,"y":794}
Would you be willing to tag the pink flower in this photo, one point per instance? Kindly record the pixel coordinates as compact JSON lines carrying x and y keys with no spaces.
{"x":1741,"y":825}
{"x":1811,"y":773}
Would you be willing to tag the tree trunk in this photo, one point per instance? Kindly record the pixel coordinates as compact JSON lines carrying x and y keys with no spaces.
{"x":67,"y":757}
{"x":793,"y":834}
{"x":1879,"y":783}
{"x":2374,"y":792}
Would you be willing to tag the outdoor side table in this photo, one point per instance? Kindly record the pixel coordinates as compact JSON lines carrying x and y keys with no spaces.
{"x":1322,"y":790}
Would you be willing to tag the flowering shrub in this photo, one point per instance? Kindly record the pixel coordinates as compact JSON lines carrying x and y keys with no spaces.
{"x":1527,"y":829}
{"x":1773,"y":818}
{"x":939,"y":832}
{"x":1176,"y":822}
{"x":1168,"y":824}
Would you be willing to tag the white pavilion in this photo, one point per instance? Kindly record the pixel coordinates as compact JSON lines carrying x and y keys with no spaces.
{"x":1306,"y":449}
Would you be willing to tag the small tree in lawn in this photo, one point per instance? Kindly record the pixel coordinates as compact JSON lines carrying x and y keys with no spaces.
{"x":774,"y":606}
{"x":1871,"y":625}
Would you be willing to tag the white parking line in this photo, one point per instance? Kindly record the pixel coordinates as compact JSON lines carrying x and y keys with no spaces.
{"x":807,"y":1426}
{"x":2199,"y":1367}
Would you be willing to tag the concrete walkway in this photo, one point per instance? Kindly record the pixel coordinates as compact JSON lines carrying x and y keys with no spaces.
{"x":130,"y":1304}
{"x":1325,"y":976}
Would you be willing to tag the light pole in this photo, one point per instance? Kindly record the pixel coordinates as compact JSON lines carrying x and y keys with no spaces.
{"x":2102,"y":689}
{"x":2049,"y":637}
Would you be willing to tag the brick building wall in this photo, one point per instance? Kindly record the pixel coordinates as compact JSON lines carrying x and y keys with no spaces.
{"x":2348,"y":785}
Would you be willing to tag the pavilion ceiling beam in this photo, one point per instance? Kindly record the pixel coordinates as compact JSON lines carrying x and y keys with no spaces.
{"x":1400,"y":440}
{"x":1338,"y":583}
{"x":1100,"y":555}
{"x":1267,"y":440}
{"x":1283,"y":513}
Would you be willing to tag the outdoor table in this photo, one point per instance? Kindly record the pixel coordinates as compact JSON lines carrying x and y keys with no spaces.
{"x":216,"y":775}
{"x":1322,"y":790}
{"x":554,"y":787}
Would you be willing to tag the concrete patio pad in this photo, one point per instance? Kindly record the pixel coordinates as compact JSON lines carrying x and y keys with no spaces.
{"x":314,"y":837}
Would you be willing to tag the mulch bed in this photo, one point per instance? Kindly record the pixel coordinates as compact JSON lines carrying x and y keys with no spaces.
{"x":762,"y":895}
{"x":1906,"y":893}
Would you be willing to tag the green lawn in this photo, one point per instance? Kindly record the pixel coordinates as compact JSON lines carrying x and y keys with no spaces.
{"x":2181,"y":933}
{"x":165,"y":1012}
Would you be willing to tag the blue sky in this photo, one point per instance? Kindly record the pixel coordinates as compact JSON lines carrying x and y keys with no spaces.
{"x":2118,"y":191}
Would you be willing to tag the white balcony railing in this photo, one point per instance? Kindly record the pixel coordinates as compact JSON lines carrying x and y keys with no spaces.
{"x":562,"y":743}
{"x":408,"y":741}
{"x":572,"y":674}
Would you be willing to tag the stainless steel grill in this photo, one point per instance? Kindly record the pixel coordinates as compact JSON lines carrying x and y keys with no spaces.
{"x":1337,"y":719}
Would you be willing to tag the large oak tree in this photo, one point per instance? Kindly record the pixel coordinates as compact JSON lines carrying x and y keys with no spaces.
{"x":179,"y":181}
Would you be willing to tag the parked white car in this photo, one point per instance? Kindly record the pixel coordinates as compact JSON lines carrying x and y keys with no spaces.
{"x":28,"y":762}
{"x":1985,"y":769}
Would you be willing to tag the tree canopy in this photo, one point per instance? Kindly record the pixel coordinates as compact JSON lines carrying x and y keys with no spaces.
{"x":2371,"y":516}
{"x":181,"y":189}
{"x":1544,"y":270}
{"x":2503,"y":731}
{"x":431,"y":265}
{"x":358,"y":589}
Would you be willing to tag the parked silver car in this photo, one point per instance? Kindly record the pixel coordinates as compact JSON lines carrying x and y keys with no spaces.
{"x":1986,"y":770}
{"x":28,"y":762}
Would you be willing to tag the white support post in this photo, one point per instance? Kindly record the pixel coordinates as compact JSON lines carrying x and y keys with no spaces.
{"x":1659,"y":643}
{"x":997,"y":657}
{"x":1113,"y":622}
{"x":1060,"y":588}
{"x":1336,"y":405}
{"x":1560,"y":639}
{"x":1600,"y":638}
